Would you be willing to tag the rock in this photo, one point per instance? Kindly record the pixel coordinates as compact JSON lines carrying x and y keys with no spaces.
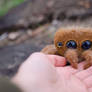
{"x":12,"y":56}
{"x":29,"y":32}
{"x":33,"y":13}
{"x":13,"y":35}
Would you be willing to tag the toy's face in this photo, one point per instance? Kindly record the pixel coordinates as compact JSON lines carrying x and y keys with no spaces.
{"x":79,"y":39}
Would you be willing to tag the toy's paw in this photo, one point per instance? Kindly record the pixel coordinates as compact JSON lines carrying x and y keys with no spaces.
{"x":74,"y":65}
{"x":87,"y":65}
{"x":73,"y":62}
{"x":87,"y":55}
{"x":49,"y":49}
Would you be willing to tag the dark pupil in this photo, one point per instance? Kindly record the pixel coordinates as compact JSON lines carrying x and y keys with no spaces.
{"x":59,"y":44}
{"x":71,"y":44}
{"x":86,"y":45}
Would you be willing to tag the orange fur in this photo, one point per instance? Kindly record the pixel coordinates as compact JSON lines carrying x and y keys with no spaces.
{"x":78,"y":34}
{"x":49,"y":49}
{"x":88,"y":56}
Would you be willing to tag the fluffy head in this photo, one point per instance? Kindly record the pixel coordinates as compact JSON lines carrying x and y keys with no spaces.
{"x":77,"y":34}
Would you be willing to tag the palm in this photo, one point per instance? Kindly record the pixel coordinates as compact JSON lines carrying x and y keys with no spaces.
{"x":39,"y":75}
{"x":75,"y":80}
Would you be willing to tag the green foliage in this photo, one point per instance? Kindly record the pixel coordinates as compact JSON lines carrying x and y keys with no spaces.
{"x":5,"y":5}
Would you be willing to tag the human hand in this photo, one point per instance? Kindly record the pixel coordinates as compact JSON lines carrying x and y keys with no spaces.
{"x":40,"y":73}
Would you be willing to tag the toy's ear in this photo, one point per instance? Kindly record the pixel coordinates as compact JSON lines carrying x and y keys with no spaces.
{"x":58,"y":34}
{"x":61,"y":35}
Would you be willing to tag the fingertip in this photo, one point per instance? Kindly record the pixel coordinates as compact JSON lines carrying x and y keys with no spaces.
{"x":58,"y":61}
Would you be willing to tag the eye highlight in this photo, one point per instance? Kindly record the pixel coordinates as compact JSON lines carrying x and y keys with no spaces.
{"x":71,"y":44}
{"x":59,"y":44}
{"x":86,"y":45}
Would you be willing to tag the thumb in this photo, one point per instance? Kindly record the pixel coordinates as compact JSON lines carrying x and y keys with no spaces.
{"x":37,"y":67}
{"x":58,"y":61}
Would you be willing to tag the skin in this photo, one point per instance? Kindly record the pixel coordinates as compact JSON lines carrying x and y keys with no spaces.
{"x":48,"y":73}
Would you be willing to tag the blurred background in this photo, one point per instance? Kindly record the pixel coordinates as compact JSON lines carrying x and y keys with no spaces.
{"x":5,"y":5}
{"x":27,"y":26}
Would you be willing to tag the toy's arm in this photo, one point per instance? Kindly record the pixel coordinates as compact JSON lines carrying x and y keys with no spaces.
{"x":50,"y":49}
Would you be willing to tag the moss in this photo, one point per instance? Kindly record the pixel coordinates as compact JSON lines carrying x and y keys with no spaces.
{"x":8,"y":4}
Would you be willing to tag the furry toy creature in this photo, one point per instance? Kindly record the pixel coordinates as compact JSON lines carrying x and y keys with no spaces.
{"x":74,"y":43}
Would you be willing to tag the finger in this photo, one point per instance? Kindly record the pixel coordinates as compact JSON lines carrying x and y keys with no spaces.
{"x":84,"y":73}
{"x":88,"y":81}
{"x":57,"y":60}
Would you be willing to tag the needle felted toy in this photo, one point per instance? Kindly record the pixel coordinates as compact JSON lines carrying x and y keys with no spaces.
{"x":74,"y":43}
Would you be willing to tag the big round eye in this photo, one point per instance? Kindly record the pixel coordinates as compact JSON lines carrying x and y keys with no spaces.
{"x":71,"y":44}
{"x":59,"y":44}
{"x":86,"y":45}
